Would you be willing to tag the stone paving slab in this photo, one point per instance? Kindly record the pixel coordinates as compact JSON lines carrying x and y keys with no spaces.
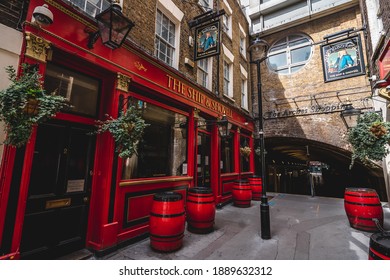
{"x":302,"y":228}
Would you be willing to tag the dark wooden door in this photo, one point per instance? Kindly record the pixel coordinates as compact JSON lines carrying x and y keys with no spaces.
{"x":56,"y":214}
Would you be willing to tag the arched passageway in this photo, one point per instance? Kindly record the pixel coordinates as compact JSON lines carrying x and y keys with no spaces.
{"x":302,"y":166}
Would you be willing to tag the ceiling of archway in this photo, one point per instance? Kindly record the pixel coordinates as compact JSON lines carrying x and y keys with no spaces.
{"x":297,"y":150}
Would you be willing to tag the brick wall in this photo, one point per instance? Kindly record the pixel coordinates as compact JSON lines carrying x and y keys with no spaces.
{"x":143,"y":14}
{"x":306,"y":87}
{"x":384,"y":7}
{"x":13,"y":13}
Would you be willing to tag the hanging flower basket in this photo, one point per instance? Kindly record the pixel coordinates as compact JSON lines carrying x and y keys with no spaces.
{"x":369,"y":138}
{"x":245,"y":151}
{"x":31,"y":108}
{"x":25,"y":103}
{"x":127,"y":131}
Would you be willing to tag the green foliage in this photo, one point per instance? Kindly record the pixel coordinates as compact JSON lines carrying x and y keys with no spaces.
{"x":14,"y":102}
{"x":369,"y":138}
{"x":127,"y":131}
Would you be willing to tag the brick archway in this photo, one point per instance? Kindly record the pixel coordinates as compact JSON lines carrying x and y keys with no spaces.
{"x":288,"y":164}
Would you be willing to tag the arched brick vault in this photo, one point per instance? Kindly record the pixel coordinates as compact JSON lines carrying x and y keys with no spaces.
{"x":288,"y":153}
{"x":324,"y":128}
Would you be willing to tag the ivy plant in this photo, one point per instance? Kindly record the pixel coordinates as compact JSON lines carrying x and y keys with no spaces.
{"x":369,"y":138}
{"x":25,"y":103}
{"x":127,"y":130}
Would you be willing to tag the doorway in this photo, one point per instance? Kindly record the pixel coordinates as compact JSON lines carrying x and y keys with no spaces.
{"x":55,"y":221}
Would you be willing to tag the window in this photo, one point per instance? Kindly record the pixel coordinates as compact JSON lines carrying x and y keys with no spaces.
{"x":91,"y":7}
{"x":165,"y":38}
{"x":227,"y":24}
{"x":244,"y":88}
{"x":290,"y":54}
{"x":163,"y":149}
{"x":227,"y":79}
{"x":203,"y":76}
{"x":227,"y":19}
{"x":242,"y":41}
{"x":242,"y":45}
{"x":81,"y":90}
{"x":244,"y":95}
{"x":227,"y":155}
{"x":206,"y":4}
{"x":228,"y":61}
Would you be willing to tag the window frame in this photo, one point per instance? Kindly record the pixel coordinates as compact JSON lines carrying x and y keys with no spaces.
{"x":174,"y":15}
{"x":171,"y":109}
{"x":205,"y":71}
{"x":227,"y":79}
{"x":170,"y":48}
{"x":104,"y":5}
{"x":206,"y":6}
{"x":244,"y":93}
{"x":286,"y":46}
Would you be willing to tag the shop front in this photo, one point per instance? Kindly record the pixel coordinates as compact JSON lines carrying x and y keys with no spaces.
{"x":68,"y":189}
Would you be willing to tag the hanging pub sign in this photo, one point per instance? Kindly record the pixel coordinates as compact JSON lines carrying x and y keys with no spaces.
{"x":342,"y":59}
{"x":207,"y":40}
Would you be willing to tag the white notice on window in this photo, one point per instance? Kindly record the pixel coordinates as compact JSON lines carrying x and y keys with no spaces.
{"x":184,"y":170}
{"x":75,"y":186}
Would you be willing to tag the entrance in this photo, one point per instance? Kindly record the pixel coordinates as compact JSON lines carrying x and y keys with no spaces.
{"x":203,"y":160}
{"x":55,"y":221}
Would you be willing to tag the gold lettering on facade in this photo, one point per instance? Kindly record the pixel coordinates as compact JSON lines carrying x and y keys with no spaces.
{"x":37,"y":47}
{"x":123,"y":82}
{"x":196,"y":96}
{"x":140,"y":66}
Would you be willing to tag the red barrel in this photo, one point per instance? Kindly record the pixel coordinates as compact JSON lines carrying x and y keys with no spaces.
{"x":379,"y":246}
{"x":167,"y":222}
{"x":242,"y":194}
{"x":200,"y":210}
{"x":256,"y":184}
{"x":361,"y":206}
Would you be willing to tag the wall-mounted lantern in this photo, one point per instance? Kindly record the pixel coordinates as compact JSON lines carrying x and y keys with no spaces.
{"x":224,"y":126}
{"x":113,"y":27}
{"x":350,"y":115}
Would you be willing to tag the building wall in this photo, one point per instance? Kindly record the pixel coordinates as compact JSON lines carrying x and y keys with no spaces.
{"x":306,"y":88}
{"x":272,"y":16}
{"x":12,"y":13}
{"x":376,"y":14}
{"x":143,"y":14}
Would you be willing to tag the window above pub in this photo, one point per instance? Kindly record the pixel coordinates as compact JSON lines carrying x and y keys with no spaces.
{"x":290,"y":54}
{"x":91,"y":7}
{"x":207,"y":5}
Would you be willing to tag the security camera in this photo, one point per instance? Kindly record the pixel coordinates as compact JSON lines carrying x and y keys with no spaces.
{"x":42,"y":15}
{"x":372,"y":78}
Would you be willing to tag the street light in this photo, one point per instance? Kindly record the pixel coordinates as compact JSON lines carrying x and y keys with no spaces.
{"x":264,"y":206}
{"x":350,"y":115}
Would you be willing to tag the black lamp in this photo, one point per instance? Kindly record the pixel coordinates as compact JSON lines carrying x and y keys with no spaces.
{"x":350,"y":115}
{"x":113,"y":27}
{"x":223,"y":124}
{"x":261,"y":45}
{"x":224,"y":127}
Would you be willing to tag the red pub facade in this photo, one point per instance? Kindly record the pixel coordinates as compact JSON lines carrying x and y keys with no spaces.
{"x":67,"y":189}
